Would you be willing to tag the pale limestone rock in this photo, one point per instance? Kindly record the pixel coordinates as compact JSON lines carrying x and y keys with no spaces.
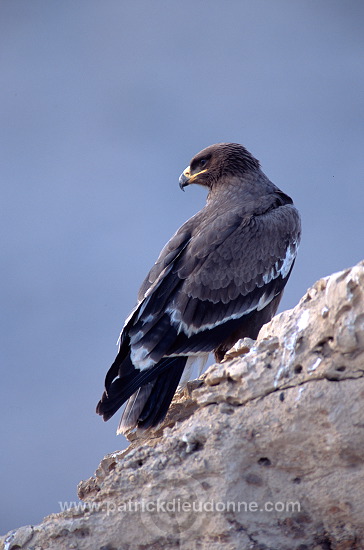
{"x":264,"y":452}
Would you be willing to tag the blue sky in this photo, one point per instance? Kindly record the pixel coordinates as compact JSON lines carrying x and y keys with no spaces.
{"x":102,"y":106}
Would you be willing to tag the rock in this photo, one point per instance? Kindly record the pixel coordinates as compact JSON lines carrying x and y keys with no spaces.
{"x":264,"y":452}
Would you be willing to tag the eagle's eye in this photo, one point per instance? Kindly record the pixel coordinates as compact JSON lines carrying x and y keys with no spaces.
{"x":197,"y":165}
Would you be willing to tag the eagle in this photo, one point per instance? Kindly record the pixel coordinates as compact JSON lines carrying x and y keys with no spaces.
{"x":219,"y":278}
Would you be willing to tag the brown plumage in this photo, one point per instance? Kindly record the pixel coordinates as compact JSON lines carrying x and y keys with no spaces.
{"x":219,"y":278}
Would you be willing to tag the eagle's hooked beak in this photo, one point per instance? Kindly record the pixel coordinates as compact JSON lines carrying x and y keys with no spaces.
{"x":184,"y":178}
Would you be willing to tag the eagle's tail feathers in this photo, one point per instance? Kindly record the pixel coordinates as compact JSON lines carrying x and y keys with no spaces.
{"x":134,"y":407}
{"x":148,"y":406}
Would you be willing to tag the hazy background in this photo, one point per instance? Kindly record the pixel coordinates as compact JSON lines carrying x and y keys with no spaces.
{"x":103,"y":104}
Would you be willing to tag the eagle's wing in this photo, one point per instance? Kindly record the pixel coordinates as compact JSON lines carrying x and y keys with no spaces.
{"x":208,"y":275}
{"x":219,"y":271}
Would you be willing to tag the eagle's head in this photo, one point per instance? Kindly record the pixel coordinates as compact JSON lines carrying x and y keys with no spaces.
{"x":210,"y":165}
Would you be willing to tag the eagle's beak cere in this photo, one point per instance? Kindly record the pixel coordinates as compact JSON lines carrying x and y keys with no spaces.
{"x":186,"y":178}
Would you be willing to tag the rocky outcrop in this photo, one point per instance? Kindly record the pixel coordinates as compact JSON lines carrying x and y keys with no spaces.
{"x":265,"y":451}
